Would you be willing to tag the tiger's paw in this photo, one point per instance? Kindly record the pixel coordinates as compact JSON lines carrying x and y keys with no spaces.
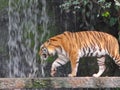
{"x":71,"y":75}
{"x":96,"y":75}
{"x":53,"y":72}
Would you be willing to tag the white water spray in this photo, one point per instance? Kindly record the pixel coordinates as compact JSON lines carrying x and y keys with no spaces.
{"x":22,"y":38}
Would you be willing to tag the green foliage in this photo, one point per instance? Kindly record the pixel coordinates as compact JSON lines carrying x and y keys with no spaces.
{"x":77,"y":4}
{"x":51,"y":59}
{"x":1,"y":49}
{"x":106,"y":14}
{"x":32,"y":39}
{"x":3,"y":4}
{"x":38,"y":84}
{"x":84,"y":7}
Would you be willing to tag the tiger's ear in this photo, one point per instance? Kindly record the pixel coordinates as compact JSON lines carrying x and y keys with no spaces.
{"x":48,"y":41}
{"x":41,"y":46}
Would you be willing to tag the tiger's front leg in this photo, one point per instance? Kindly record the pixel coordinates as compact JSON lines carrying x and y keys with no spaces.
{"x":58,"y":62}
{"x":74,"y":66}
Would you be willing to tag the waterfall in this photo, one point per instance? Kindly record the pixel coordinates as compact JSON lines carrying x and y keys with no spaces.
{"x":44,"y":21}
{"x":23,"y":38}
{"x":46,"y":33}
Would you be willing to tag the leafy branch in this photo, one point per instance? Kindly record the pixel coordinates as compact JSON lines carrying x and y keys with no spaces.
{"x":88,"y":11}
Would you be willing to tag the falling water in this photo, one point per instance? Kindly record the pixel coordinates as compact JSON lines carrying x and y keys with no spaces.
{"x":44,"y":21}
{"x":46,"y":33}
{"x":22,"y":38}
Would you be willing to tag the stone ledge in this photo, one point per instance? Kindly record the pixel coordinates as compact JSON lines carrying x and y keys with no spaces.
{"x":60,"y":82}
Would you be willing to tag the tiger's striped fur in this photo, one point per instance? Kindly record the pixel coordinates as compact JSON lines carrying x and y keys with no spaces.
{"x":73,"y":46}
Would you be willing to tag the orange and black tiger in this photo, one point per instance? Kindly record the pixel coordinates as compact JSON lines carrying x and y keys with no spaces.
{"x":71,"y":46}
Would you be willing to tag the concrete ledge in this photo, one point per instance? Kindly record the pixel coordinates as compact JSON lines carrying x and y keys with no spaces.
{"x":60,"y":82}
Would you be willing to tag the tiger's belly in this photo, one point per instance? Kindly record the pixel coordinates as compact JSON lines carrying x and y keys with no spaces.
{"x":92,"y":51}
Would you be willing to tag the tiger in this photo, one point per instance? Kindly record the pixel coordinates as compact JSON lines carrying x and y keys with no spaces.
{"x":71,"y":46}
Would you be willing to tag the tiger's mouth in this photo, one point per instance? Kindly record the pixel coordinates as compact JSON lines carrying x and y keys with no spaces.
{"x":44,"y":56}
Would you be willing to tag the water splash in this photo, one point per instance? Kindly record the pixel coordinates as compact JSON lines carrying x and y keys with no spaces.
{"x":22,"y":38}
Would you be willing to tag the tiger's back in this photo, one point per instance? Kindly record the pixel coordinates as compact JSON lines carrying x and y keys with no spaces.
{"x":96,"y":43}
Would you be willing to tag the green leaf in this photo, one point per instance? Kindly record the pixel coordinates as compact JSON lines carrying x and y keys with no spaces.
{"x":106,"y":14}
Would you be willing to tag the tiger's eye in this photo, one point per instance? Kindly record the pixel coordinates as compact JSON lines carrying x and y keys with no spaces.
{"x":44,"y":50}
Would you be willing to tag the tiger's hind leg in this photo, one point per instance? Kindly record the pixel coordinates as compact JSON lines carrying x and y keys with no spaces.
{"x":101,"y":65}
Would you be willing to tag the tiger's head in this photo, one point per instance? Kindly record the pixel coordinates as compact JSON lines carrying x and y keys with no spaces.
{"x":48,"y":49}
